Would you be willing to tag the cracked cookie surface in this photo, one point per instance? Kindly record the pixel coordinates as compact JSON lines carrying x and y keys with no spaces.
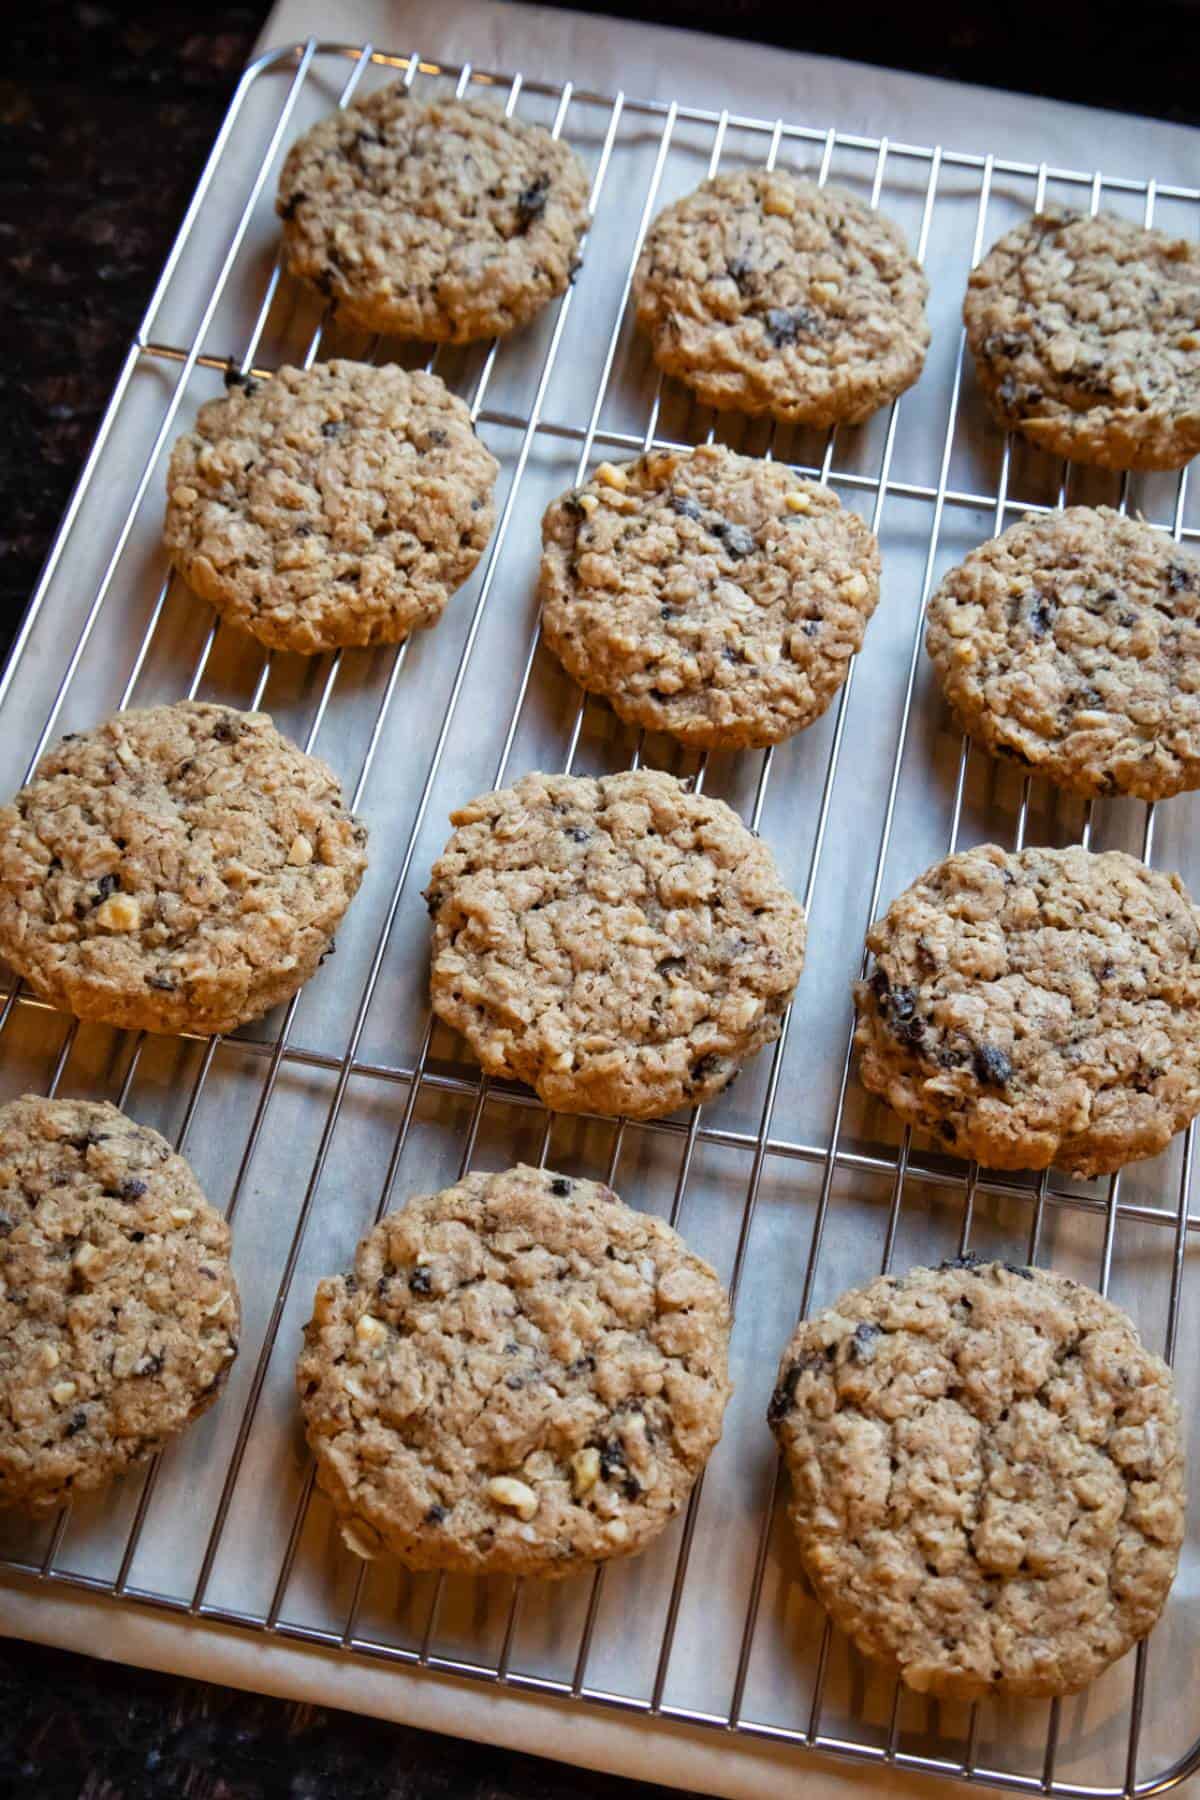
{"x":1037,"y":1007}
{"x":119,"y":1313}
{"x":987,"y":1477}
{"x":1072,"y":642}
{"x":177,"y":869}
{"x":713,"y":596}
{"x":337,"y":505}
{"x":447,"y":221}
{"x":1086,"y":338}
{"x":768,"y":294}
{"x":621,"y":944}
{"x":521,"y":1375}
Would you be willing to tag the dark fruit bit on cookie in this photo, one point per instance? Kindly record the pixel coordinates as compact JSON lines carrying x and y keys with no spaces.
{"x":577,"y":834}
{"x":6,"y":1225}
{"x":235,"y":378}
{"x":421,"y":1280}
{"x":740,"y":270}
{"x":968,"y":1261}
{"x":433,"y":902}
{"x":1041,"y":616}
{"x":77,"y":1423}
{"x":108,"y":884}
{"x":333,"y":428}
{"x":864,"y":1335}
{"x":992,"y":1066}
{"x":685,"y":506}
{"x":560,"y":1186}
{"x":703,"y":1068}
{"x":163,"y":983}
{"x":737,"y":540}
{"x":1020,"y":1269}
{"x":784,"y":326}
{"x":1179,"y":578}
{"x":784,"y":1397}
{"x":435,"y":1515}
{"x":133,"y":1190}
{"x":288,"y":209}
{"x":532,"y":202}
{"x":612,"y":1458}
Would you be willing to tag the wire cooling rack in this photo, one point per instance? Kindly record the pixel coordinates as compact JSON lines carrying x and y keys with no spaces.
{"x":309,"y":1125}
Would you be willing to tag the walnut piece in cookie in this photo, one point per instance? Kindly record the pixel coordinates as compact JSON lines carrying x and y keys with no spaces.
{"x":178,"y":869}
{"x":449,"y":221}
{"x":621,"y":944}
{"x":713,"y":596}
{"x":1086,"y":338}
{"x":1037,"y":1006}
{"x":987,"y":1476}
{"x":522,"y":1375}
{"x":119,"y":1313}
{"x":336,"y":505}
{"x":1072,"y":643}
{"x":769,"y":294}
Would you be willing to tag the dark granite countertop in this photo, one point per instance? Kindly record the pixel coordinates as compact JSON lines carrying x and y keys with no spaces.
{"x":106,"y":115}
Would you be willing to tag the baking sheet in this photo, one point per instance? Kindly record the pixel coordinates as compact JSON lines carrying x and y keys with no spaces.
{"x":388,"y":729}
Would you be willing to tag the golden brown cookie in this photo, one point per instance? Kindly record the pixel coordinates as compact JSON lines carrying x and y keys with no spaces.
{"x":522,"y":1375}
{"x":987,"y":1476}
{"x":119,"y":1313}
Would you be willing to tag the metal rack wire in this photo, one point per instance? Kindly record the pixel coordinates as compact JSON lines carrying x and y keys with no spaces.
{"x":832,"y":1154}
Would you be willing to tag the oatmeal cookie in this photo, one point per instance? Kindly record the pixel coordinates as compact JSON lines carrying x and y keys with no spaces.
{"x":1037,"y":1006}
{"x":522,"y":1375}
{"x":119,"y":1313}
{"x":178,"y":869}
{"x":621,"y":944}
{"x":1086,"y":338}
{"x":1072,"y":643}
{"x":713,"y":596}
{"x":446,"y":221}
{"x":337,"y":505}
{"x":987,"y":1477}
{"x":768,"y":294}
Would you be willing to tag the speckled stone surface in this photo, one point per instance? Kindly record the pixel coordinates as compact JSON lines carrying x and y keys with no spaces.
{"x":71,"y":1729}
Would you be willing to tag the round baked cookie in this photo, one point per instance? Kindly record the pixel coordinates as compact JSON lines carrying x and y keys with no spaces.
{"x":1072,"y":643}
{"x":768,"y":294}
{"x":621,"y":944}
{"x":1037,"y":1006}
{"x":119,"y":1313}
{"x":987,"y":1477}
{"x":714,"y":596}
{"x":1086,"y":338}
{"x":178,"y":869}
{"x":446,"y":221}
{"x":521,"y":1375}
{"x":341,"y":504}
